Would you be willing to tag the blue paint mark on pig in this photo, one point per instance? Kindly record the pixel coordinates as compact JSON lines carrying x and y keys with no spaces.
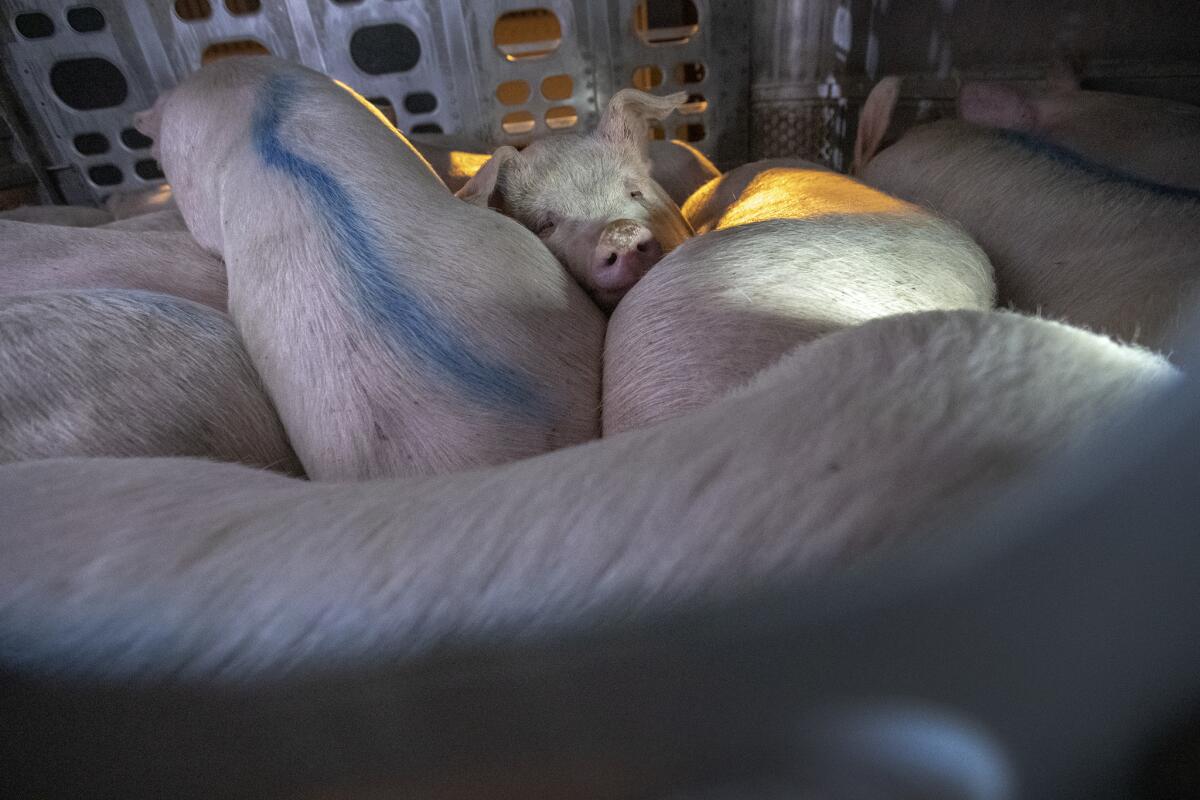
{"x":407,"y":321}
{"x":1061,"y":155}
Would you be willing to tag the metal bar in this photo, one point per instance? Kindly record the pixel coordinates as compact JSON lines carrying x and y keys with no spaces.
{"x":25,"y":143}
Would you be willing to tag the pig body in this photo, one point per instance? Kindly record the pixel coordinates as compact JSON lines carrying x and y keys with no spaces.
{"x":399,"y":331}
{"x":865,"y":437}
{"x":707,"y":205}
{"x":166,"y":221}
{"x":48,"y":257}
{"x":725,"y":305}
{"x":679,"y":168}
{"x":65,"y":216}
{"x":111,"y":373}
{"x":1068,"y":240}
{"x":1145,"y":137}
{"x":591,"y":198}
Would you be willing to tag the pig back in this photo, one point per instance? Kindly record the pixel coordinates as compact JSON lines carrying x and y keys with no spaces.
{"x":1069,"y":238}
{"x":782,"y":188}
{"x":725,"y":305}
{"x":398,"y":330}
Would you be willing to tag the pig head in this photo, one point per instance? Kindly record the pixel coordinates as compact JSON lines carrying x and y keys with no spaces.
{"x":590,"y":198}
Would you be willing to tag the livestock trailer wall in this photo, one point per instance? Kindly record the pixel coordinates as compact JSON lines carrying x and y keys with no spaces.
{"x":765,"y":78}
{"x":495,"y":70}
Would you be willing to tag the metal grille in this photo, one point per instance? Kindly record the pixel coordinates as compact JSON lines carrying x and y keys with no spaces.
{"x":434,"y":66}
{"x":810,"y":129}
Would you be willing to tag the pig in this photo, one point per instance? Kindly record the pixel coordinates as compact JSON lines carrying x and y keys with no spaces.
{"x":679,"y":168}
{"x":1149,"y":138}
{"x":124,"y":205}
{"x":1070,"y":239}
{"x":65,"y":216}
{"x":120,"y":373}
{"x":455,"y":159}
{"x":780,"y":188}
{"x":590,"y":198}
{"x":399,"y":331}
{"x":167,"y":220}
{"x":181,"y":570}
{"x":41,"y":257}
{"x":727,"y":304}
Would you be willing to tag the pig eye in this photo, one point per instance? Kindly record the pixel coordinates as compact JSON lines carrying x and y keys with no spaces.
{"x":636,"y":195}
{"x":546,"y":228}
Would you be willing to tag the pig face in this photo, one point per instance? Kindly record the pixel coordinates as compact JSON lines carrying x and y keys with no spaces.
{"x":591,"y":199}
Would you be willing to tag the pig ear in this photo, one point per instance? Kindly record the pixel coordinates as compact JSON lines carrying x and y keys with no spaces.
{"x":874,"y":120}
{"x":149,"y":122}
{"x":626,"y":120}
{"x":146,"y":123}
{"x":996,"y":106}
{"x":481,"y":189}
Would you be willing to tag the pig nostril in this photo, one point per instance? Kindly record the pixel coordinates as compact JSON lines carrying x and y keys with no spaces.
{"x":612,"y":259}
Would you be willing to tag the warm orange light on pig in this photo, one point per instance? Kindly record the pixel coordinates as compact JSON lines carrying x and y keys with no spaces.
{"x":374,"y":109}
{"x":380,"y":116}
{"x":465,"y":165}
{"x":792,"y":193}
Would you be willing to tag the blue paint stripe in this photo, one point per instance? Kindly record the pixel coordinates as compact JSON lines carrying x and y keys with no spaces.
{"x":1070,"y":158}
{"x":407,"y":322}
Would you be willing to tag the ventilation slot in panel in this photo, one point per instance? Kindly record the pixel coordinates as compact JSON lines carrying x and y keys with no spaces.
{"x":238,"y":47}
{"x":666,"y":22}
{"x":527,"y":33}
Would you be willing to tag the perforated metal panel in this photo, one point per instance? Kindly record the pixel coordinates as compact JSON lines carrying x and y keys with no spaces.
{"x":449,"y":86}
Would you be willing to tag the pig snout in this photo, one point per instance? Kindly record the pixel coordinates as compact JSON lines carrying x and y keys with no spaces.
{"x":625,"y":252}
